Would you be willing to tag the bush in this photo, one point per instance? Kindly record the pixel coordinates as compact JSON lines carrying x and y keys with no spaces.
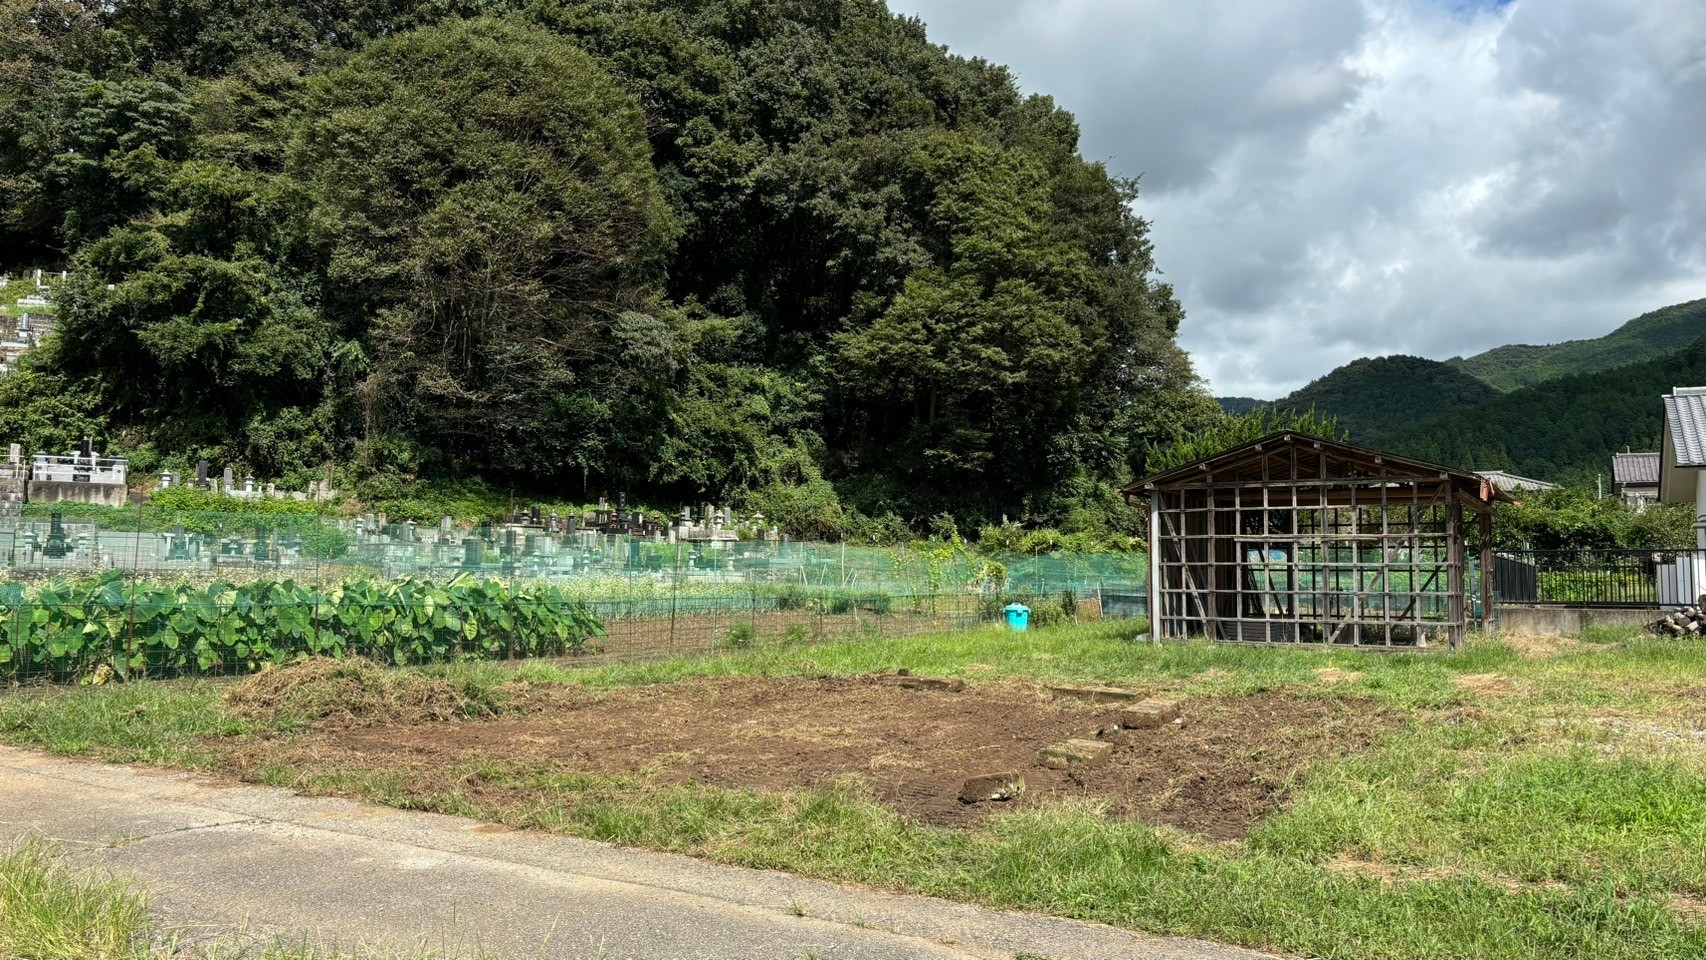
{"x":741,"y":636}
{"x":791,"y":596}
{"x":876,"y":602}
{"x":991,"y":607}
{"x":1047,"y":613}
{"x":842,"y":602}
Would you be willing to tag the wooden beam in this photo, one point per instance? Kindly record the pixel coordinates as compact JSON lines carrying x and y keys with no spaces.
{"x":1487,"y":619}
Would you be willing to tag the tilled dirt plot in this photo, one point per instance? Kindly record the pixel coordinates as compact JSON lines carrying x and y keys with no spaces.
{"x":1216,"y":774}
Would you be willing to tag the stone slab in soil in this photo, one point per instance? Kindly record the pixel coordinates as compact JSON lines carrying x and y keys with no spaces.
{"x":1094,"y":693}
{"x":1075,"y":753}
{"x":1149,"y":714}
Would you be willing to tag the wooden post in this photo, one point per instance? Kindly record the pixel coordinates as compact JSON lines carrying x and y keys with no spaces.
{"x":1156,"y":621}
{"x":1487,"y":619}
{"x":1454,"y":570}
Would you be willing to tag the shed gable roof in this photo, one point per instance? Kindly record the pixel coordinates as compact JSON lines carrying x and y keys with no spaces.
{"x":1510,"y":481}
{"x":1341,"y":461}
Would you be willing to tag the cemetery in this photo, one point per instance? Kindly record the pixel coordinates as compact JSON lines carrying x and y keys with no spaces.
{"x":25,"y":324}
{"x":88,"y":551}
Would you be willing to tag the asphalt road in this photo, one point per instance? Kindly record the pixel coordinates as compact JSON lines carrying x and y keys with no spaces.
{"x":220,"y":861}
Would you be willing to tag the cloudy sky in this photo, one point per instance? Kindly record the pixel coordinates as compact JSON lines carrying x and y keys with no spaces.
{"x":1331,"y":179}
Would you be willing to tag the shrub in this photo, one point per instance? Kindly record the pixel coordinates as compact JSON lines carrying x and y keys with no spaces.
{"x":791,"y":596}
{"x":741,"y":636}
{"x":992,"y":606}
{"x":842,"y":602}
{"x":1047,"y":613}
{"x":876,"y":602}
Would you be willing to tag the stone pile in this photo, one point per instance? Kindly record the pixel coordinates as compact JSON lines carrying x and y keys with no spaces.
{"x":1687,"y":622}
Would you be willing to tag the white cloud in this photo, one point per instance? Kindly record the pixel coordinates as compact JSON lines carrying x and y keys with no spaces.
{"x":1329,"y":179}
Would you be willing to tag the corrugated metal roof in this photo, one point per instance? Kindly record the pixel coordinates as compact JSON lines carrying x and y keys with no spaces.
{"x":1511,"y":481}
{"x":1685,"y":417}
{"x":1637,"y":468}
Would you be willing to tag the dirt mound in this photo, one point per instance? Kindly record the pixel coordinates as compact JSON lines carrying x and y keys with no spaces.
{"x":1217,"y":773}
{"x":329,"y":693}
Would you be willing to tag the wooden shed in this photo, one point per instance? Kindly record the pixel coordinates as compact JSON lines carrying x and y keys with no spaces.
{"x":1293,"y":539}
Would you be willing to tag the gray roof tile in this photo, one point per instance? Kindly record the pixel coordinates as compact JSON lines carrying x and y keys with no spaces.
{"x":1685,"y":417}
{"x":1637,"y":468}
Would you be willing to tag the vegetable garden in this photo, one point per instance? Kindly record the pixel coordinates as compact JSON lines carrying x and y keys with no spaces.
{"x":62,"y":630}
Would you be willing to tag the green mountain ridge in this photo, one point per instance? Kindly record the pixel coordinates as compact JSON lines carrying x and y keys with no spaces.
{"x":1372,"y":396}
{"x":1647,"y":336}
{"x":1378,"y":399}
{"x":1564,"y":430}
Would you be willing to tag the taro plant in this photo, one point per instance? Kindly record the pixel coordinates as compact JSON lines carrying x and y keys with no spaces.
{"x":62,"y":630}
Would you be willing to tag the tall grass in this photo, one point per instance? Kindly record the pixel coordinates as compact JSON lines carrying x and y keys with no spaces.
{"x":47,"y":912}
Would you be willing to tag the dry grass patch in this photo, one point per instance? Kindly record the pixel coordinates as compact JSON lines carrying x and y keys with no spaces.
{"x":327,"y":693}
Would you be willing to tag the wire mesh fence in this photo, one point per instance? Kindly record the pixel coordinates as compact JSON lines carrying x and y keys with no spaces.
{"x":71,"y":539}
{"x":135,"y":592}
{"x":110,"y":626}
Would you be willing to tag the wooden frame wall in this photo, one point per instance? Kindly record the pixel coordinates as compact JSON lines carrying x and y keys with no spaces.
{"x":1306,"y":543}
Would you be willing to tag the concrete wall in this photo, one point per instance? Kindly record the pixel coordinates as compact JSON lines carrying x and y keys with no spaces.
{"x":54,"y":491}
{"x":1566,"y":621}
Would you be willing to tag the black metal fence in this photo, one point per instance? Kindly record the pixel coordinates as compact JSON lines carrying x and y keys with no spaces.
{"x":1600,"y":578}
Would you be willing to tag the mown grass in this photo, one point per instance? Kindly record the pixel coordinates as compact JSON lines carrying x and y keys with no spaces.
{"x":1527,"y":806}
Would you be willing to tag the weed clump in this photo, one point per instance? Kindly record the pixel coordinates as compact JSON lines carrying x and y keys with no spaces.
{"x":326,"y":692}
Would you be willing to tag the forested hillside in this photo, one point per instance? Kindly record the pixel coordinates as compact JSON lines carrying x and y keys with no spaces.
{"x":1563,"y":430}
{"x":1239,"y":405}
{"x":781,"y":250}
{"x":1372,"y":397}
{"x":1643,"y":338}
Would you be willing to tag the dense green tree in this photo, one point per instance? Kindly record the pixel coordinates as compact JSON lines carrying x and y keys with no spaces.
{"x":485,"y":196}
{"x":786,"y":249}
{"x":1236,"y":430}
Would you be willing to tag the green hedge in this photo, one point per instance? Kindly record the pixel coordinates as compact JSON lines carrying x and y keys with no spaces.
{"x":63,"y":630}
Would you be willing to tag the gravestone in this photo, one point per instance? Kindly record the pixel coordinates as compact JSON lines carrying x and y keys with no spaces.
{"x":179,"y":546}
{"x":55,"y":547}
{"x":230,"y":481}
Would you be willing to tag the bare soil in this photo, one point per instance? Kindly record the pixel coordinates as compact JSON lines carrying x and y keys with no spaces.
{"x":909,"y":744}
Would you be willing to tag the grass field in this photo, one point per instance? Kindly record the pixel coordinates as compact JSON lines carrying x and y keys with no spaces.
{"x":1525,"y":797}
